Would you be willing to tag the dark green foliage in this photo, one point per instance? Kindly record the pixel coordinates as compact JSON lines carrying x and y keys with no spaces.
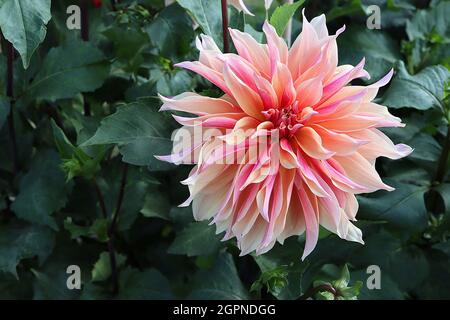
{"x":80,"y":185}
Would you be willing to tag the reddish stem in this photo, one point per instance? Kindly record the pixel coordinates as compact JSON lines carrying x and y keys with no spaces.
{"x":226,"y":44}
{"x":10,"y":93}
{"x":85,"y":37}
{"x":85,"y":20}
{"x":113,"y":5}
{"x":112,"y":230}
{"x":313,"y":291}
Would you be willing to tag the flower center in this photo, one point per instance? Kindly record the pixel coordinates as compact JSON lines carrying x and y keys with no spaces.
{"x":286,"y":119}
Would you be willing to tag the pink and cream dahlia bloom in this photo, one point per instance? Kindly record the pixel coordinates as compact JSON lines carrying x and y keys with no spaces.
{"x":321,"y":136}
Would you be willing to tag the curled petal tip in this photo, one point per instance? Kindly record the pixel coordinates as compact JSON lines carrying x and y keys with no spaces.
{"x":403,"y":150}
{"x":340,"y":30}
{"x":183,"y":64}
{"x":186,"y":203}
{"x":167,"y":158}
{"x":306,"y":253}
{"x":164,"y":107}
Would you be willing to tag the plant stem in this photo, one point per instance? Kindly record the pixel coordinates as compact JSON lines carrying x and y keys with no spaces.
{"x":441,"y":169}
{"x":10,"y":93}
{"x":113,"y":263}
{"x":113,"y":225}
{"x":113,"y":5}
{"x":123,"y":184}
{"x":112,"y":230}
{"x":226,"y":44}
{"x":52,"y":111}
{"x":442,"y":164}
{"x":101,"y":199}
{"x":311,"y":292}
{"x":85,"y":37}
{"x":85,"y":20}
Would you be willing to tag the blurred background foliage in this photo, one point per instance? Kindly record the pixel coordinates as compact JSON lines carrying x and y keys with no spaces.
{"x":79,"y":184}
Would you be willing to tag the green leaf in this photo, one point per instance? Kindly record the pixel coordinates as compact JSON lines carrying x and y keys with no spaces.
{"x":129,"y":44}
{"x":156,"y":205}
{"x":19,"y":242}
{"x":331,"y":276}
{"x":379,"y":247}
{"x":436,"y":285}
{"x":443,"y":247}
{"x":75,"y":231}
{"x":257,"y":35}
{"x":84,"y":127}
{"x":356,"y":43}
{"x":137,"y":186}
{"x":196,"y":239}
{"x":395,"y":207}
{"x":75,"y":67}
{"x":11,"y":288}
{"x":65,"y":147}
{"x":48,"y":288}
{"x":347,"y":8}
{"x":282,"y":14}
{"x":444,"y":191}
{"x":149,"y":285}
{"x":415,"y":125}
{"x":221,"y":282}
{"x":75,"y":161}
{"x":409,"y":268}
{"x":102,"y":268}
{"x":426,"y":148}
{"x":98,"y":230}
{"x":43,"y":190}
{"x":324,"y":295}
{"x":275,"y":280}
{"x":421,"y":91}
{"x":173,"y":82}
{"x":23,"y":23}
{"x":133,"y":201}
{"x":289,"y":255}
{"x":429,"y":37}
{"x":174,"y":24}
{"x":344,"y":280}
{"x":352,"y":292}
{"x":140,"y":133}
{"x":92,"y":291}
{"x":426,"y":24}
{"x":208,"y":14}
{"x":181,"y":216}
{"x":51,"y":278}
{"x":389,"y":289}
{"x":142,"y":90}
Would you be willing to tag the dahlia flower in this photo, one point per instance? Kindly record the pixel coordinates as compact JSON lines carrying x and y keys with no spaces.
{"x":320,"y":136}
